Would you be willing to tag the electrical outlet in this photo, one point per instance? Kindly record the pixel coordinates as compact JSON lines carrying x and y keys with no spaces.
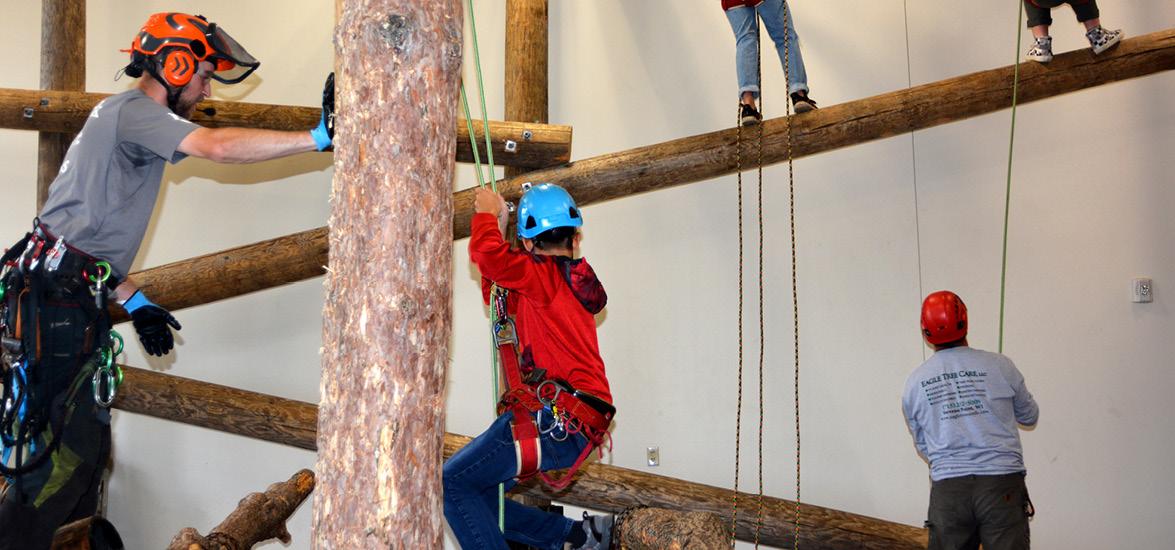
{"x":1141,"y":290}
{"x":653,"y":454}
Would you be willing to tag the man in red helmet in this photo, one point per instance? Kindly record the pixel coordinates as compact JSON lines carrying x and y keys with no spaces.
{"x":57,"y":375}
{"x":962,"y":407}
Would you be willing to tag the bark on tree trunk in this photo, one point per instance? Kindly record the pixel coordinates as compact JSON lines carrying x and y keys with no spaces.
{"x":258,"y":518}
{"x":387,"y":316}
{"x":661,"y":529}
{"x":63,"y":67}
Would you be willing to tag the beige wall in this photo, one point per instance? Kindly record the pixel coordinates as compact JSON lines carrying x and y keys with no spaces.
{"x":879,"y":225}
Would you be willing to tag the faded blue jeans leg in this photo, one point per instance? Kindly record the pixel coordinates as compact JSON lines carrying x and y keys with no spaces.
{"x":471,"y":478}
{"x":746,"y":55}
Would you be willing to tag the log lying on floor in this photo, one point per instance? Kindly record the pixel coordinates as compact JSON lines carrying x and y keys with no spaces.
{"x":597,"y":486}
{"x":535,"y":145}
{"x":258,"y":518}
{"x":93,"y":532}
{"x":662,"y":529}
{"x":706,"y":156}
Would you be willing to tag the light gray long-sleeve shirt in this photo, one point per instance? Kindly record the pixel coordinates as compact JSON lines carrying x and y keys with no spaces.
{"x":962,"y":407}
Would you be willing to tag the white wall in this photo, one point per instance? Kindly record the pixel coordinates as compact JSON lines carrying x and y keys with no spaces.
{"x":879,"y":225}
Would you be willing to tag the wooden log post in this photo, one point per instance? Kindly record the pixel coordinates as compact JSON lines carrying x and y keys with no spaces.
{"x":55,"y":111}
{"x":597,"y":486}
{"x":526,"y":65}
{"x":526,"y":98}
{"x":259,"y":517}
{"x":662,"y":529}
{"x":63,"y":67}
{"x":704,"y":156}
{"x":387,"y":318}
{"x":93,"y":532}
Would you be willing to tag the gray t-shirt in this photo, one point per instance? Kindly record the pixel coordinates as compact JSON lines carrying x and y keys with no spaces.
{"x":103,"y":196}
{"x":962,"y":406}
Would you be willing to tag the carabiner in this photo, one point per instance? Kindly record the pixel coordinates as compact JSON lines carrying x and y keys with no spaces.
{"x":104,"y":375}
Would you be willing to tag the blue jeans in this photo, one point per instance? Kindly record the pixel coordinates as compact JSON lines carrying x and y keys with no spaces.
{"x":471,"y":478}
{"x":746,"y":56}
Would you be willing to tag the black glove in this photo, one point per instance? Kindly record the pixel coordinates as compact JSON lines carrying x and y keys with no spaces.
{"x":151,"y":322}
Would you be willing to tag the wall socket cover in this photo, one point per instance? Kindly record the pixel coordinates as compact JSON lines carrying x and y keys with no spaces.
{"x":1141,"y":290}
{"x":653,"y":455}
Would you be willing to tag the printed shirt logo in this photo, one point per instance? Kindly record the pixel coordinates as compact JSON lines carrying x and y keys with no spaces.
{"x":957,"y":394}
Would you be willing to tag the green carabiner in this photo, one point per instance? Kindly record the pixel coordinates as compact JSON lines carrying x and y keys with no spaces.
{"x":105,"y":271}
{"x":118,"y":376}
{"x":115,"y":336}
{"x":3,"y":290}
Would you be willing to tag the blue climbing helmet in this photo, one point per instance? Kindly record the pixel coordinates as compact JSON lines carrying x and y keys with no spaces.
{"x":546,"y":206}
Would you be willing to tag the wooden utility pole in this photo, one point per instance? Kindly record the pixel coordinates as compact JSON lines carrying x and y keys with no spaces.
{"x":63,"y":67}
{"x":387,"y":317}
{"x":526,"y":64}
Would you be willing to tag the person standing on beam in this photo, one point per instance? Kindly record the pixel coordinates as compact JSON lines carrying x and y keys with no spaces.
{"x":743,"y":16}
{"x":1040,"y":18}
{"x":57,"y":376}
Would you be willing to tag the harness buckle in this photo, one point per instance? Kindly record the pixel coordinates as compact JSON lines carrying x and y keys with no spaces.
{"x":505,"y":332}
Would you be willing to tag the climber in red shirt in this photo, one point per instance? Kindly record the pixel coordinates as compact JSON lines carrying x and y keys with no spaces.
{"x":557,"y":406}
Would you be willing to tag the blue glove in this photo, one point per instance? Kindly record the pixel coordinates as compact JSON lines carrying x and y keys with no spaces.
{"x":152,"y":323}
{"x":324,"y":133}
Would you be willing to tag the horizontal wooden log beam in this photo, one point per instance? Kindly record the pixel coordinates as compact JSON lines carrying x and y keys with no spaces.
{"x":715,"y":154}
{"x":536,"y":145}
{"x":696,"y":158}
{"x":597,"y":486}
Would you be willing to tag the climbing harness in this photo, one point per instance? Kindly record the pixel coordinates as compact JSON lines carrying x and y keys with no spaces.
{"x":529,"y":394}
{"x":1008,"y":189}
{"x":56,"y":337}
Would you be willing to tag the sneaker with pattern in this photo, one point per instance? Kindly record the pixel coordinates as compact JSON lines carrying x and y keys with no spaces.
{"x":1042,"y":50}
{"x":1101,"y":39}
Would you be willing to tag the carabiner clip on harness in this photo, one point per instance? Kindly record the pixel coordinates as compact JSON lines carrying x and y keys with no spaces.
{"x":571,"y":412}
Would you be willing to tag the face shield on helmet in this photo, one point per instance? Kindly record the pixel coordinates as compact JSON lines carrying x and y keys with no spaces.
{"x":170,"y":34}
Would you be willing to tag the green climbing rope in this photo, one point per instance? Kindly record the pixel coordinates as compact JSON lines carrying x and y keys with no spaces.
{"x":1008,"y":188}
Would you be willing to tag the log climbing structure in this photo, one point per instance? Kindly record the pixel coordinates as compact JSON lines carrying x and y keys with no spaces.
{"x":537,"y":151}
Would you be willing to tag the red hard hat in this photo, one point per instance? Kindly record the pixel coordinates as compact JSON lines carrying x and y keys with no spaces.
{"x":944,"y":318}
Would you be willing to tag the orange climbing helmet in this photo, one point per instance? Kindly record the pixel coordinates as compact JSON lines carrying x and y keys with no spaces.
{"x":171,"y":45}
{"x":944,"y":318}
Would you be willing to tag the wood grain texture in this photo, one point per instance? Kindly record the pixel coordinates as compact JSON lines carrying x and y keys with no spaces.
{"x":664,"y":529}
{"x":259,"y":517}
{"x":89,"y":533}
{"x":63,"y":67}
{"x":387,"y":317}
{"x":56,"y":111}
{"x":597,"y":486}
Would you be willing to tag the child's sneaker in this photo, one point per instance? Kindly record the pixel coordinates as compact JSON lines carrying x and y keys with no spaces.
{"x":1042,"y":50}
{"x":748,"y":116}
{"x":1101,"y":40}
{"x":599,"y":528}
{"x":801,"y":102}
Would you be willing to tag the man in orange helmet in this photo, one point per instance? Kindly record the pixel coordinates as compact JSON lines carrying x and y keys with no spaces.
{"x":962,"y":407}
{"x":57,"y":373}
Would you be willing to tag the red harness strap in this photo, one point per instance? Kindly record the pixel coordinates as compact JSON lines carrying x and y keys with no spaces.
{"x":523,"y":400}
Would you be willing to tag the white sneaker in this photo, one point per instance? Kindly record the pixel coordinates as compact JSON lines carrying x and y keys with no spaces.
{"x":1042,"y":50}
{"x":1101,"y":40}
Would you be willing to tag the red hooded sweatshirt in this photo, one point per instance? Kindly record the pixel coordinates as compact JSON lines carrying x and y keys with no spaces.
{"x":553,"y":299}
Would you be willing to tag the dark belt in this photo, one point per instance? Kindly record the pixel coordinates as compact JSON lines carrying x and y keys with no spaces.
{"x":599,"y":405}
{"x":69,"y":266}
